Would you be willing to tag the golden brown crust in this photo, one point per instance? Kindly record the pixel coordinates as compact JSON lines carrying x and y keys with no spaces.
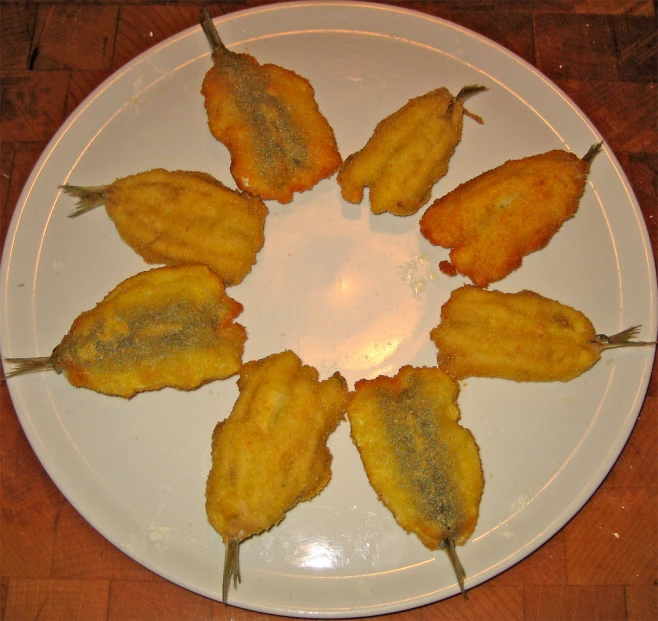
{"x":518,"y":336}
{"x":407,"y":154}
{"x":170,"y":326}
{"x":269,"y":120}
{"x":271,"y":453}
{"x":494,"y":220}
{"x":424,"y":466}
{"x":188,"y":217}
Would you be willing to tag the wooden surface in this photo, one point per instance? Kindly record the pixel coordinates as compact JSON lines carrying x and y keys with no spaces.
{"x":602,"y":565}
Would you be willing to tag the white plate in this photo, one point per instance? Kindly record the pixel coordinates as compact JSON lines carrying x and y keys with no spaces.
{"x":345,"y":290}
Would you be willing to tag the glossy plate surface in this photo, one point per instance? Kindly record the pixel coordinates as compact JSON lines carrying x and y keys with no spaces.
{"x":347,"y":291}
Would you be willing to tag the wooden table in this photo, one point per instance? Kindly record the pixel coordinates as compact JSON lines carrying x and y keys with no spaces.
{"x":602,"y":565}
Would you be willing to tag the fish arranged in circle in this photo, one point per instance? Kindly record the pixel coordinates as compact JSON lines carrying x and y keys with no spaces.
{"x":175,"y":326}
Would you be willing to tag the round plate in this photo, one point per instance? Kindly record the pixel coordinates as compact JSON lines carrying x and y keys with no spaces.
{"x":344,"y":289}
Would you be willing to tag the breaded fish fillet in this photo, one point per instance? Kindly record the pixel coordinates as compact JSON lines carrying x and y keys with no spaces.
{"x":271,"y":452}
{"x":269,"y":120}
{"x":518,"y":336}
{"x":169,"y":326}
{"x":494,"y":220}
{"x":182,"y":217}
{"x":424,"y":466}
{"x":407,"y":154}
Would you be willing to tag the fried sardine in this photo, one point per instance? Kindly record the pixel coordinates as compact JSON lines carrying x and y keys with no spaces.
{"x":271,"y":452}
{"x":494,"y":220}
{"x":518,"y":336}
{"x":408,"y":153}
{"x":182,"y":217}
{"x":169,"y":326}
{"x":424,"y":466}
{"x":267,"y":117}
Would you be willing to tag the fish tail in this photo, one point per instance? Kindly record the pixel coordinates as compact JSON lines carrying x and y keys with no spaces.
{"x":622,"y":339}
{"x":449,"y":546}
{"x":592,"y":152}
{"x":89,"y":197}
{"x":231,"y":567}
{"x":466,"y":93}
{"x":210,"y":31}
{"x":22,"y":366}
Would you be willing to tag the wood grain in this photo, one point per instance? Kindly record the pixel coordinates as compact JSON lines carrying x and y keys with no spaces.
{"x":602,"y":565}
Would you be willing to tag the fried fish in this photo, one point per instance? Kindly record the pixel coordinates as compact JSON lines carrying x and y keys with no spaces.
{"x":270,"y":122}
{"x":518,"y":336}
{"x":271,"y":452}
{"x":494,"y":220}
{"x":182,"y":217}
{"x":408,"y":153}
{"x":424,"y":466}
{"x":169,"y":326}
